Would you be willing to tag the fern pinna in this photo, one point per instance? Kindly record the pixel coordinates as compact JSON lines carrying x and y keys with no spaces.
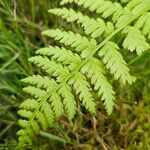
{"x":80,"y":70}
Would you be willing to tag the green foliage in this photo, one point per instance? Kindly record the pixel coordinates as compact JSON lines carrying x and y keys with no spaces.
{"x":134,"y":40}
{"x":114,"y":61}
{"x":78,"y":73}
{"x":21,"y":23}
{"x":19,"y":37}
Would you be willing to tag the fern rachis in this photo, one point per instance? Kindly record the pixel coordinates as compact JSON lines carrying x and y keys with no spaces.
{"x":55,"y":94}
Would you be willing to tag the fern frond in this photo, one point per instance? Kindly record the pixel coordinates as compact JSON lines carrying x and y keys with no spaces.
{"x":138,"y":5}
{"x":144,"y":23}
{"x":75,"y":40}
{"x":93,"y":27}
{"x":24,"y":138}
{"x":134,"y":3}
{"x":51,"y":67}
{"x":36,"y":92}
{"x":60,"y":54}
{"x":66,"y":57}
{"x":104,"y":7}
{"x":135,"y":40}
{"x":68,"y":100}
{"x":40,"y":82}
{"x":81,"y":87}
{"x":122,"y":17}
{"x":23,"y":122}
{"x":29,"y":104}
{"x":72,"y":72}
{"x":94,"y":70}
{"x":25,"y":113}
{"x":80,"y":43}
{"x":57,"y":104}
{"x":114,"y":61}
{"x":35,"y":126}
{"x":48,"y":112}
{"x":115,"y":10}
{"x":42,"y":120}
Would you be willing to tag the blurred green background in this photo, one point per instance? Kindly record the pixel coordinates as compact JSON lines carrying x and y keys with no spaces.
{"x":21,"y":23}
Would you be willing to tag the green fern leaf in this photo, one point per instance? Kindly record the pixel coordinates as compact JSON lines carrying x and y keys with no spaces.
{"x":42,"y":119}
{"x":135,"y":40}
{"x":114,"y":61}
{"x":94,"y":70}
{"x":25,"y":113}
{"x":60,"y":54}
{"x":23,"y":123}
{"x":66,"y":57}
{"x":78,"y":71}
{"x":48,"y":112}
{"x":92,"y":27}
{"x":144,"y":23}
{"x":40,"y":82}
{"x":35,"y":127}
{"x":24,"y":138}
{"x":36,"y":92}
{"x":51,"y":67}
{"x":68,"y":101}
{"x":29,"y":104}
{"x":80,"y":43}
{"x":106,"y":8}
{"x":56,"y":104}
{"x":81,"y":87}
{"x":134,"y":3}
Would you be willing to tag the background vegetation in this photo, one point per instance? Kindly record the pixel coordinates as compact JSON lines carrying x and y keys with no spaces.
{"x":21,"y":23}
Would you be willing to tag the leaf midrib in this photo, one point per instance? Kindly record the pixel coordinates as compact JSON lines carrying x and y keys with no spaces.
{"x":84,"y":62}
